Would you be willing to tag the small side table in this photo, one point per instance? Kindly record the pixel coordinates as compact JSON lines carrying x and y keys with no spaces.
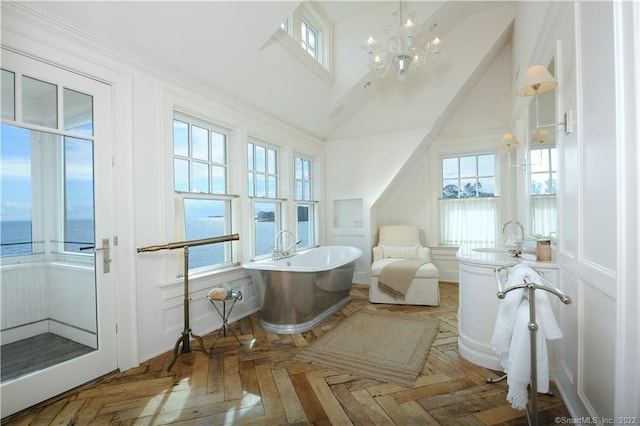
{"x":234,"y":296}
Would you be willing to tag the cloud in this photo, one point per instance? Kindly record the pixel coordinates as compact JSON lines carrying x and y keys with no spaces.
{"x":16,"y":169}
{"x":15,"y":211}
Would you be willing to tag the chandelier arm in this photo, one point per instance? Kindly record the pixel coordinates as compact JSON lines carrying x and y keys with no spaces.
{"x":399,"y":50}
{"x":400,"y":26}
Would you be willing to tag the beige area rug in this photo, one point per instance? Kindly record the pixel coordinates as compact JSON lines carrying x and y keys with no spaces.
{"x":386,"y":346}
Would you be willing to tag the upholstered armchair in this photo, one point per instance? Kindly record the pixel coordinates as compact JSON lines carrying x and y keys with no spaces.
{"x":398,"y":243}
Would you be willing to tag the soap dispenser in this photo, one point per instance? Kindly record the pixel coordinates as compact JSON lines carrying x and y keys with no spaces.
{"x":543,"y":249}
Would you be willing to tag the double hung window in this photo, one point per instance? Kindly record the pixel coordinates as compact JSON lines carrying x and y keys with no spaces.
{"x":305,"y":206}
{"x":200,"y":182}
{"x":262,"y":166}
{"x":543,"y":182}
{"x":468,"y":204}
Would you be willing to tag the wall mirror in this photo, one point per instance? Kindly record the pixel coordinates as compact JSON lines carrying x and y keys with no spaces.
{"x":542,"y":161}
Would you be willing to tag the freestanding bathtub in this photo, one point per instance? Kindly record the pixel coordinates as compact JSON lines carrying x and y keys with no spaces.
{"x":297,"y":293}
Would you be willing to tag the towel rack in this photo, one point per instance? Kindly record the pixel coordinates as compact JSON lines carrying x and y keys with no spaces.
{"x":532,"y":408}
{"x":184,"y":337}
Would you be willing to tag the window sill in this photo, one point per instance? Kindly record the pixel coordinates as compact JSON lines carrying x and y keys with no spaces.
{"x":286,"y":41}
{"x":202,"y":281}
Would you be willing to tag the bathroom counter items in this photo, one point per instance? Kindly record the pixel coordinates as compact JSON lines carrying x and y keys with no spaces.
{"x":500,"y":256}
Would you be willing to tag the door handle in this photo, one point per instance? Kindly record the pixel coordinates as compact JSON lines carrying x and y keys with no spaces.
{"x":106,"y":255}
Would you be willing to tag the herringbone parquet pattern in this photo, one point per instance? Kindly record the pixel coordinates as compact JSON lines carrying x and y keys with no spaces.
{"x":260,"y":383}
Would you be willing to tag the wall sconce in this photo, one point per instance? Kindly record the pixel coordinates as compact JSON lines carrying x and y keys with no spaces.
{"x":541,"y":137}
{"x":509,"y":141}
{"x":538,"y":80}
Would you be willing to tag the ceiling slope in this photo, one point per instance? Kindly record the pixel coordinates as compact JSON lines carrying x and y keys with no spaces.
{"x":232,"y":48}
{"x":470,"y":49}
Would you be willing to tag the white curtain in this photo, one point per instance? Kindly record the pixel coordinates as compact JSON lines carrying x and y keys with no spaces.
{"x":544,"y":214}
{"x":469,"y":221}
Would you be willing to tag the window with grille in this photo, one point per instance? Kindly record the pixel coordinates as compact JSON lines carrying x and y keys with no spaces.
{"x":200,"y":182}
{"x":305,"y":205}
{"x":542,"y":188}
{"x":262,"y":166}
{"x":307,"y":26}
{"x":468,"y":204}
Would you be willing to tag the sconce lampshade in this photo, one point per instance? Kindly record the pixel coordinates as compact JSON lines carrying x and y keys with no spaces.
{"x":536,"y":80}
{"x":541,"y":137}
{"x":509,"y":141}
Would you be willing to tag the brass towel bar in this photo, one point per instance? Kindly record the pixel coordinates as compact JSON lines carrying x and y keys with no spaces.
{"x":186,"y":332}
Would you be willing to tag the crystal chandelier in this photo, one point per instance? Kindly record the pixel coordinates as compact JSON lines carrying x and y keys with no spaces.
{"x":401,"y":49}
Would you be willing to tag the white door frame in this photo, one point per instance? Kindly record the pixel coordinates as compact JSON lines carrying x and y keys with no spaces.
{"x":33,"y":388}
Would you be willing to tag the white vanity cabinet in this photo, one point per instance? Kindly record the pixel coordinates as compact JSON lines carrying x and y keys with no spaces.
{"x":478,"y":302}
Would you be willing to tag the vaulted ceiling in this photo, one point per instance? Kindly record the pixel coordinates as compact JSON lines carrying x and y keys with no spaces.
{"x":233,"y":48}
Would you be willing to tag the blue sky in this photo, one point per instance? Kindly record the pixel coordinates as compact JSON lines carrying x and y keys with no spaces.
{"x":16,"y":175}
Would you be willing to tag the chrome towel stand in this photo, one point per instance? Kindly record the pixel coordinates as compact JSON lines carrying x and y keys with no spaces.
{"x":532,"y":408}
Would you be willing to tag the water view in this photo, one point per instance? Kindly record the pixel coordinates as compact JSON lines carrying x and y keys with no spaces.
{"x":16,"y":238}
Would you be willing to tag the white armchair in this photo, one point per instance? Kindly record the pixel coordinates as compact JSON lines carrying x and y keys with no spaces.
{"x":398,"y":242}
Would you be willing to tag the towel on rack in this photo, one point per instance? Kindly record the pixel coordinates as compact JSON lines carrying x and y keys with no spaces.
{"x":511,"y":338}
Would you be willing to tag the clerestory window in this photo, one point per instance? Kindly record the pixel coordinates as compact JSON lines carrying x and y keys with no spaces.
{"x":310,"y":29}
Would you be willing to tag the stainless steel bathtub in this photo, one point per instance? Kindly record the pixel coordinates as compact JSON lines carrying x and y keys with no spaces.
{"x":299,"y":292}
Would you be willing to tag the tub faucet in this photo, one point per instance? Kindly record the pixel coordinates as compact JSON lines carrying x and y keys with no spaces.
{"x":518,"y":251}
{"x":278,"y":251}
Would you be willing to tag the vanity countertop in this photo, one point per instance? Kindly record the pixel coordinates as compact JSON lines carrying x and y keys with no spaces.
{"x":499,"y":256}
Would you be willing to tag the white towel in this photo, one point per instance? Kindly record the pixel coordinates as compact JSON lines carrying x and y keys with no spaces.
{"x":511,"y":338}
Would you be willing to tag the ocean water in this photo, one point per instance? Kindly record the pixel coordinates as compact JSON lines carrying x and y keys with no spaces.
{"x":15,"y":238}
{"x":206,"y":227}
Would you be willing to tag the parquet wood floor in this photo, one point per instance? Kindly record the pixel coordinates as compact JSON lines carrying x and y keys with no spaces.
{"x":259,"y":383}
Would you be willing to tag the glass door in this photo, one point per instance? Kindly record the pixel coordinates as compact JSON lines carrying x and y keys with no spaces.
{"x":58,"y":306}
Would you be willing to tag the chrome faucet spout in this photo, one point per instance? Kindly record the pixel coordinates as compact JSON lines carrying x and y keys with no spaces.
{"x":518,"y":250}
{"x":278,"y":251}
{"x":292,"y":246}
{"x":515,"y":222}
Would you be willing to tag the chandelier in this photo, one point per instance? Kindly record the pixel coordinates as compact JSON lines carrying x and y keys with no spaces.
{"x":401,"y":48}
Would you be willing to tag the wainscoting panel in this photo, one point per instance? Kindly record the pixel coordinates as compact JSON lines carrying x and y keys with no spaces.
{"x":203,"y":318}
{"x":597,"y":354}
{"x":24,"y":301}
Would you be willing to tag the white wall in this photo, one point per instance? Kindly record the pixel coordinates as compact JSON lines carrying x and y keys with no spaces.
{"x":478,"y":124}
{"x":431,"y":96}
{"x":24,"y":305}
{"x":351,"y":174}
{"x":598,"y":372}
{"x":149,"y":294}
{"x":600,"y":329}
{"x":598,"y":358}
{"x":48,"y":296}
{"x":384,"y":164}
{"x":159,"y":288}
